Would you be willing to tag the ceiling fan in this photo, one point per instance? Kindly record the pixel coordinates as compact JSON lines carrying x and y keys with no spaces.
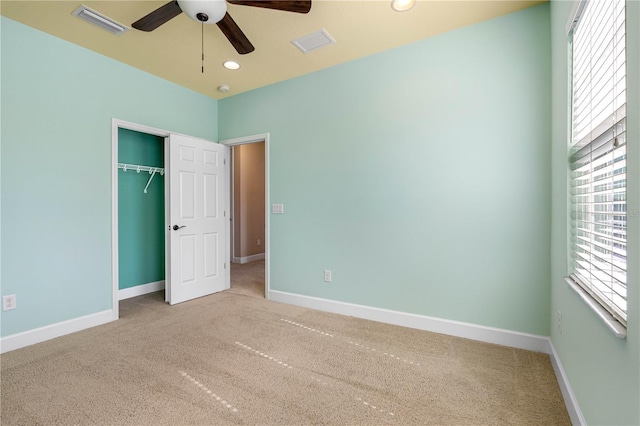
{"x":215,"y":12}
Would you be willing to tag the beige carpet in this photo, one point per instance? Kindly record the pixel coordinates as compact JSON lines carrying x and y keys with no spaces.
{"x":233,"y":358}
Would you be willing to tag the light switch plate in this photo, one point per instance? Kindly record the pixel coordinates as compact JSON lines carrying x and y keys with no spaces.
{"x":277,"y":208}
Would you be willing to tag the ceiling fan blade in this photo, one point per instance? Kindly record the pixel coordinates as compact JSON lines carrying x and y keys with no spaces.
{"x":298,"y":6}
{"x":235,"y":35}
{"x":158,"y":17}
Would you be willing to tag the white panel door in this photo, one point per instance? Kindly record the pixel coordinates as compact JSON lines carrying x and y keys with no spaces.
{"x":196,"y":201}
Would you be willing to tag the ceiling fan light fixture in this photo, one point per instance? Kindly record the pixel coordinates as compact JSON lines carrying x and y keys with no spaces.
{"x":231,"y":65}
{"x":206,"y":11}
{"x":402,"y":5}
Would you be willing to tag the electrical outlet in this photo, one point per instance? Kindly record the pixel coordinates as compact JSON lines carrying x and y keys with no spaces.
{"x":559,"y":322}
{"x":327,"y":276}
{"x":8,"y":302}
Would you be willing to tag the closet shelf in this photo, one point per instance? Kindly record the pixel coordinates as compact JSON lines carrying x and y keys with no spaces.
{"x":137,"y":168}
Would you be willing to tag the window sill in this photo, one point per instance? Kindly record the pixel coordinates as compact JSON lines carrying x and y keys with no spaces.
{"x":612,"y":324}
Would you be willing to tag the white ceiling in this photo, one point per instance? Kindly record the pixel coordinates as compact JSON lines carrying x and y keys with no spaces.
{"x":173,"y":51}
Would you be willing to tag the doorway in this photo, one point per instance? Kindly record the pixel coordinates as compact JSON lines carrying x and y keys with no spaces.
{"x":249,"y":178}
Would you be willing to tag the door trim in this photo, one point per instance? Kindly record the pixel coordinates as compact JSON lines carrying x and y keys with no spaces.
{"x":260,"y":137}
{"x":115,"y":272}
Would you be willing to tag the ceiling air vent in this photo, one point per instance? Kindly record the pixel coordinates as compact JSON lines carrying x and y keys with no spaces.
{"x":313,"y":41}
{"x":100,"y":20}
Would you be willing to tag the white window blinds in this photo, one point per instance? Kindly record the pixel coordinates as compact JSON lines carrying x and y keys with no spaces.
{"x":597,"y":155}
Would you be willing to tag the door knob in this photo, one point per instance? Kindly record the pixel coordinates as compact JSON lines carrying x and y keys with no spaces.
{"x":176,"y":227}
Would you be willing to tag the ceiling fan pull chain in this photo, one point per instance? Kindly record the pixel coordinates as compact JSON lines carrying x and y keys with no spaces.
{"x":202,"y":44}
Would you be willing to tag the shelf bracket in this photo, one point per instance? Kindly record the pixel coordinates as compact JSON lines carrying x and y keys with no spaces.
{"x":153,"y":173}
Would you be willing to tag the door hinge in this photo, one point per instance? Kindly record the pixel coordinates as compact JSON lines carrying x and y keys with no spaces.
{"x":225,"y":266}
{"x":224,"y":161}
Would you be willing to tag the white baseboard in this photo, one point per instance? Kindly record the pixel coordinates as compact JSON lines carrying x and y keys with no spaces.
{"x":437,"y":325}
{"x":481,"y":333}
{"x":248,"y":259}
{"x":139,"y":290}
{"x":31,"y":337}
{"x":573,"y":408}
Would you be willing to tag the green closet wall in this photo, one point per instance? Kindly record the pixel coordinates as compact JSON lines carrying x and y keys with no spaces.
{"x":140,"y":216}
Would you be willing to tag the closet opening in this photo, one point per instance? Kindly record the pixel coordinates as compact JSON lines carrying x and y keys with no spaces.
{"x":141,"y":213}
{"x":138,"y":218}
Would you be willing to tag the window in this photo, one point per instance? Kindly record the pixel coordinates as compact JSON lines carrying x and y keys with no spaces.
{"x":597,"y":155}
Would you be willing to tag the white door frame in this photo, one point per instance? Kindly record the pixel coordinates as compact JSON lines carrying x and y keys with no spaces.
{"x":261,"y":137}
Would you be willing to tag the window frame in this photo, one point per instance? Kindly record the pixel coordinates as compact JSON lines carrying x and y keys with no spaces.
{"x":605,"y":307}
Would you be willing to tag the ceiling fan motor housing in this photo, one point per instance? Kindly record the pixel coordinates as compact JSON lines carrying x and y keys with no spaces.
{"x":206,"y":11}
{"x":215,"y":12}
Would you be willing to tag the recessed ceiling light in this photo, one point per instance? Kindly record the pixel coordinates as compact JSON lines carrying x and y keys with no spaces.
{"x":231,"y":65}
{"x":402,"y":5}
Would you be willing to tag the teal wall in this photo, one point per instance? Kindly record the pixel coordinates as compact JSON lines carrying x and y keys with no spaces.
{"x":58,"y":102}
{"x":141,"y":225}
{"x":604,"y":371}
{"x":420,"y":176}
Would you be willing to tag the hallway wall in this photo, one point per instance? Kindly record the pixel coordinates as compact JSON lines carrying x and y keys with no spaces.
{"x":249,"y":200}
